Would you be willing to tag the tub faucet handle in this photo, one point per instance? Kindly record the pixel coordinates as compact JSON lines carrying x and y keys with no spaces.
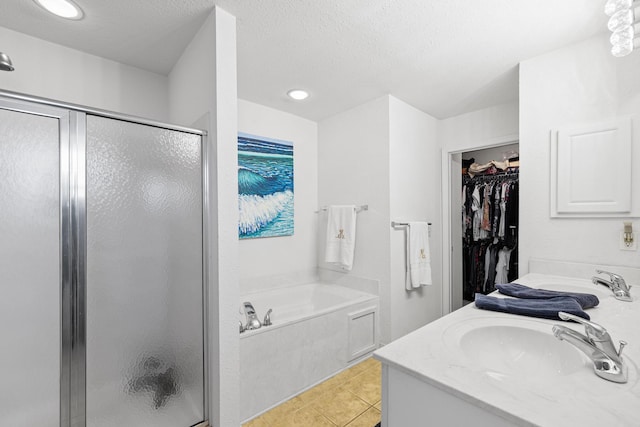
{"x":267,"y":318}
{"x":622,"y":346}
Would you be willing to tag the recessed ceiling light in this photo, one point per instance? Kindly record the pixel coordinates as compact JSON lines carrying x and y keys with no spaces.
{"x":62,"y":8}
{"x":298,"y":94}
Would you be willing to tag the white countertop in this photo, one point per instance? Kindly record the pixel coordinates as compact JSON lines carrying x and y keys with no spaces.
{"x":580,"y":398}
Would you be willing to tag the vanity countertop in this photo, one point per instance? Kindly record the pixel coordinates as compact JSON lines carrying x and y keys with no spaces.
{"x":578,"y":398}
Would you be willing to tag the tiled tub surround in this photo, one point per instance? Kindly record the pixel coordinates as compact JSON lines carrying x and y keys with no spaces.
{"x":426,"y":378}
{"x":318,"y":330}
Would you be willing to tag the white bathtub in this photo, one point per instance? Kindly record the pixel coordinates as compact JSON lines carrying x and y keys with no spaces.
{"x":318,"y":330}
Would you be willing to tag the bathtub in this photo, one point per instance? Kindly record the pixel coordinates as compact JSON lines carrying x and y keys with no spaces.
{"x":318,"y":330}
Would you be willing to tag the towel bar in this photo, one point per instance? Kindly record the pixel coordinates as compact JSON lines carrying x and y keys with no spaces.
{"x":395,"y":224}
{"x":403,"y":224}
{"x":358,"y":208}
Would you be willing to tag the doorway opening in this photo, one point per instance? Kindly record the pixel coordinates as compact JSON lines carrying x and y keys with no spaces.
{"x":461,"y":278}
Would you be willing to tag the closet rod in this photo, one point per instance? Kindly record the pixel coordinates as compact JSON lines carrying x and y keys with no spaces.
{"x":513,"y":174}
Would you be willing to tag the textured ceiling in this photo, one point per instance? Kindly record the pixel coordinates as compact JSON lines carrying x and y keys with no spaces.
{"x":445,"y":57}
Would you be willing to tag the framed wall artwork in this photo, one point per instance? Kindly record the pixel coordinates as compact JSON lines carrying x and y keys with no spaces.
{"x":265,"y":187}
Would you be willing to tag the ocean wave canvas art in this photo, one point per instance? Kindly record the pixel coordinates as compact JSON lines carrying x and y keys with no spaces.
{"x":265,"y":187}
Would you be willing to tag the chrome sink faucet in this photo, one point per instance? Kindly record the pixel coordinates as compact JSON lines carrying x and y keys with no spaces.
{"x":617,"y":285}
{"x":597,"y":345}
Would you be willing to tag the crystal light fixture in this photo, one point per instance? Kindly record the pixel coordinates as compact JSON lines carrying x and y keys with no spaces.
{"x":614,"y":6}
{"x":624,"y":24}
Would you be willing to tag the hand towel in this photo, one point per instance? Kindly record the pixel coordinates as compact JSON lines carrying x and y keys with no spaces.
{"x":418,"y":255}
{"x":543,"y":308}
{"x":521,"y":291}
{"x":341,"y":236}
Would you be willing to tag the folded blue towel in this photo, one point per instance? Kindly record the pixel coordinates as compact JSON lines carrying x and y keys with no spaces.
{"x":521,"y":291}
{"x":544,"y":308}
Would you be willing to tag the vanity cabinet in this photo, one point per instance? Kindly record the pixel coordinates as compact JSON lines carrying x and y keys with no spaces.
{"x":447,"y":374}
{"x":411,"y":401}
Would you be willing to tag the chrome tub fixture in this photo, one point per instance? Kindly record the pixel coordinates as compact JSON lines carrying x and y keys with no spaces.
{"x":5,"y":62}
{"x":252,"y":319}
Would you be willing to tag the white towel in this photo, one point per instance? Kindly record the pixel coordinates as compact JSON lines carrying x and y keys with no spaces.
{"x":418,"y":256}
{"x":341,"y":236}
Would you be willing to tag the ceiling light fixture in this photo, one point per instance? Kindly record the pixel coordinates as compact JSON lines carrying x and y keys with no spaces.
{"x":298,"y":94}
{"x":62,"y":8}
{"x":624,"y":24}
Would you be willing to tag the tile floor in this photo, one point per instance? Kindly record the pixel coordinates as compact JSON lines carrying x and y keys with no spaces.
{"x":348,"y":399}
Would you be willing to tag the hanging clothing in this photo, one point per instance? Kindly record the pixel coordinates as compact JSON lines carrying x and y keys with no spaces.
{"x":486,"y":208}
{"x":490,"y":231}
{"x":502,"y":269}
{"x":477,"y":213}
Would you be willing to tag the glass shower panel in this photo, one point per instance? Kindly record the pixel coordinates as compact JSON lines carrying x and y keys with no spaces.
{"x":29,"y":270}
{"x":145,"y":353}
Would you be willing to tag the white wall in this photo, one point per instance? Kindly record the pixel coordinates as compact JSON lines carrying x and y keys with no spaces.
{"x":203,"y":93}
{"x":578,"y":84}
{"x":353,"y":168}
{"x":385,"y":154}
{"x":479,"y":128}
{"x":53,"y":71}
{"x":414,"y":177}
{"x":270,"y":262}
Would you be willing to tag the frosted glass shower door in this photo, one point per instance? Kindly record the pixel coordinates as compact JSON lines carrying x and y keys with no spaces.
{"x":144,"y":280}
{"x":30,"y":273}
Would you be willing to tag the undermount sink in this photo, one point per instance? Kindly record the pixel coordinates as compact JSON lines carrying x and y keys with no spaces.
{"x":516,"y":348}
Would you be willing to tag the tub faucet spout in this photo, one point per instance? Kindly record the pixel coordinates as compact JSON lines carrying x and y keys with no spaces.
{"x":617,"y":285}
{"x":267,"y":318}
{"x":252,"y":319}
{"x":597,"y":345}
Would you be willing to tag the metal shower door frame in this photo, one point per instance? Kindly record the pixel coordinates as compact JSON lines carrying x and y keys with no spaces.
{"x":66,"y":242}
{"x":72,"y":121}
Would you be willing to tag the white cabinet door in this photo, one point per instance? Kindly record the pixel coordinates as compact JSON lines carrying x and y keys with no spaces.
{"x":591,"y":170}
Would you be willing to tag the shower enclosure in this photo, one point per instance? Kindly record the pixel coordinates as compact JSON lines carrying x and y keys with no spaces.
{"x":102,"y":261}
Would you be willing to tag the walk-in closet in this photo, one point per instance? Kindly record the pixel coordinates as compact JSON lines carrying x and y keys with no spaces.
{"x":489,"y":215}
